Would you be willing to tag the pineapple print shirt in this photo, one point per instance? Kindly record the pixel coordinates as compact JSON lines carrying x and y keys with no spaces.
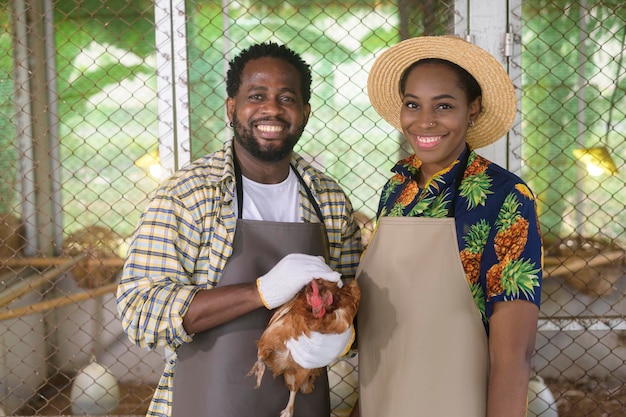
{"x":496,"y":223}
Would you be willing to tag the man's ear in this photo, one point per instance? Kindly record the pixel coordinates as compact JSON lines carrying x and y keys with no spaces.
{"x":230,"y":108}
{"x":306,"y":112}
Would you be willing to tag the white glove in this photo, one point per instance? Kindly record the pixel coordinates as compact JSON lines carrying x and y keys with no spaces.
{"x":320,"y":349}
{"x":290,"y":275}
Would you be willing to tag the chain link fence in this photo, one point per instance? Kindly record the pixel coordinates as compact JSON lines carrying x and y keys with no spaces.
{"x":84,"y":111}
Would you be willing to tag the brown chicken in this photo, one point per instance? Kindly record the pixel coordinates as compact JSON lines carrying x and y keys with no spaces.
{"x":322,"y":307}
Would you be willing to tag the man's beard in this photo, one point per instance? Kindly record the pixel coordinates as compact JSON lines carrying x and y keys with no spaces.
{"x":246,"y":139}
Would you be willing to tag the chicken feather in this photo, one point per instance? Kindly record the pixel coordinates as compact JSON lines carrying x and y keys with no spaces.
{"x":335,"y":309}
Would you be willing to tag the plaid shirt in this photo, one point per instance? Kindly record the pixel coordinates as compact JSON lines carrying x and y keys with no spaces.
{"x":184,"y":240}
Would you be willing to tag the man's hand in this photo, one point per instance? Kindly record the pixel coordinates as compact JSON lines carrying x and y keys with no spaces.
{"x":320,"y":349}
{"x":290,"y":275}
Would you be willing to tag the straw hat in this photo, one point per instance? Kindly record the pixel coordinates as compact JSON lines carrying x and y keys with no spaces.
{"x":499,"y":104}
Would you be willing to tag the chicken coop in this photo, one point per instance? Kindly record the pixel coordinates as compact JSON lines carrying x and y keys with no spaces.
{"x":103,"y":99}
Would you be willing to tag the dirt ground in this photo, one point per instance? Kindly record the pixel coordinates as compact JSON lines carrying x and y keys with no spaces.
{"x":574,"y":399}
{"x":54,"y":399}
{"x":589,"y":398}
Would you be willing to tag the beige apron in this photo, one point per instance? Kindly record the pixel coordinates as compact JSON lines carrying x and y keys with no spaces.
{"x":422,"y":345}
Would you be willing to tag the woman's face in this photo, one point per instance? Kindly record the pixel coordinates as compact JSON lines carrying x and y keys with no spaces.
{"x":435,"y":115}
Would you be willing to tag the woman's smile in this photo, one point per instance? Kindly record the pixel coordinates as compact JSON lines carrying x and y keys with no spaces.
{"x":427,"y":142}
{"x":434,"y":116}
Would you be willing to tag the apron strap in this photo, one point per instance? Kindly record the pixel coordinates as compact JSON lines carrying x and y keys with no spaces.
{"x":316,"y":206}
{"x":239,"y":187}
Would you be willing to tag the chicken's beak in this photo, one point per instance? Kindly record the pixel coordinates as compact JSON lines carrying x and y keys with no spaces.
{"x":318,"y":312}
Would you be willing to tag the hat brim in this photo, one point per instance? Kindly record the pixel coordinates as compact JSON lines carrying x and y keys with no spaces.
{"x":499,"y":103}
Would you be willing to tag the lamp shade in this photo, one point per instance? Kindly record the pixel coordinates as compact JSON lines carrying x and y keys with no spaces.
{"x":596,"y":159}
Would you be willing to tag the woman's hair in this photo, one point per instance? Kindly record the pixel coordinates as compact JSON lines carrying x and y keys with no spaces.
{"x":466,"y":81}
{"x":269,"y":50}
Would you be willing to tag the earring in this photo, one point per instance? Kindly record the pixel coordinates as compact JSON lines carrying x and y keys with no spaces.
{"x":471,"y":123}
{"x":230,"y":124}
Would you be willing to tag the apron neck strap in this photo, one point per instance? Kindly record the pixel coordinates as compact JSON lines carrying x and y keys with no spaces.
{"x":309,"y":194}
{"x":239,"y":187}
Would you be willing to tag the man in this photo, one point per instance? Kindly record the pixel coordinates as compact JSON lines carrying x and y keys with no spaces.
{"x":231,"y":237}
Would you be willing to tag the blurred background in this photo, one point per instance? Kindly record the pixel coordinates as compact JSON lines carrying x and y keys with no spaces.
{"x":102,"y":99}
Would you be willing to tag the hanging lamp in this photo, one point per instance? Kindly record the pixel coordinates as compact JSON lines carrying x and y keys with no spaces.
{"x":597,"y":160}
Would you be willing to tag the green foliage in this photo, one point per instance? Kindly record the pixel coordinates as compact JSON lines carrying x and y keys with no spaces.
{"x":380,"y":37}
{"x":105,"y":50}
{"x":8,"y":154}
{"x":561,"y":74}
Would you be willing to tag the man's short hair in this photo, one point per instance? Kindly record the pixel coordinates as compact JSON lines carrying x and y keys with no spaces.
{"x":271,"y":50}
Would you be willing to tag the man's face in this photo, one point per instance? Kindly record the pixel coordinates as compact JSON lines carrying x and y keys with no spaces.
{"x":268,"y":113}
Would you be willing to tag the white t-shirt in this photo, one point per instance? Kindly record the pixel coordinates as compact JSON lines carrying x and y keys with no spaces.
{"x":272,"y":202}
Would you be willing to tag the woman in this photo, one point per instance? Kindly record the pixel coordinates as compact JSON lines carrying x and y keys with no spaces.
{"x":451,"y":279}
